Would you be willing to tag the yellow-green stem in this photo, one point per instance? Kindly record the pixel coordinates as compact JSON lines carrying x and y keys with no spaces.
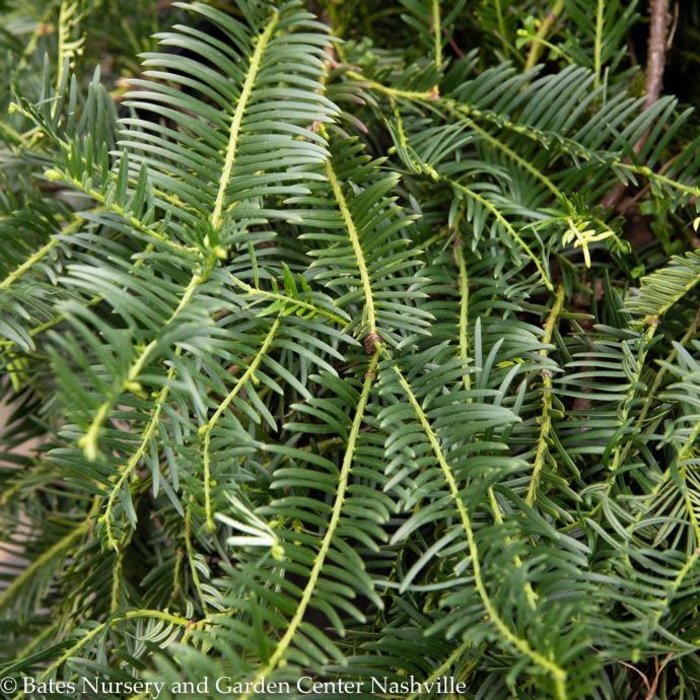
{"x":681,"y":463}
{"x":111,"y":206}
{"x":89,"y":441}
{"x":647,"y":172}
{"x":437,"y":34}
{"x":134,"y":460}
{"x":544,"y":29}
{"x":466,"y":378}
{"x":40,"y":254}
{"x":463,"y":313}
{"x":191,"y":558}
{"x":681,"y":457}
{"x":627,"y":404}
{"x":234,"y":134}
{"x":343,"y":478}
{"x":116,"y":583}
{"x":392,"y":92}
{"x":598,"y":46}
{"x":205,"y":430}
{"x":32,"y":569}
{"x":522,"y":645}
{"x":509,"y":152}
{"x":688,"y":335}
{"x":292,"y":302}
{"x":443,"y":668}
{"x":468,"y":112}
{"x":510,"y":229}
{"x":662,"y":609}
{"x":546,"y":400}
{"x":98,"y":629}
{"x":356,"y":247}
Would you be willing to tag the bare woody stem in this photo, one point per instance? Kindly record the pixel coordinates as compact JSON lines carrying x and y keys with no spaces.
{"x":653,"y":84}
{"x":656,"y":57}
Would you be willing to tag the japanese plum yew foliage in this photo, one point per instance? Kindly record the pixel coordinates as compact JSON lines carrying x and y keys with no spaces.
{"x":334,"y":363}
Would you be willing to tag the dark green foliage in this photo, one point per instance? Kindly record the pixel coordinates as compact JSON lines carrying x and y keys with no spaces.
{"x":336,"y":363}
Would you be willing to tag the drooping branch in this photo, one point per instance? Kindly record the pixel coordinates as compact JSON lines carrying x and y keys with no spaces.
{"x":509,"y":636}
{"x":282,"y":646}
{"x":546,"y":400}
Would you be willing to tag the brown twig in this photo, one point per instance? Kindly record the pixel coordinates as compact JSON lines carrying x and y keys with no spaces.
{"x":455,"y":47}
{"x":659,"y":668}
{"x":653,"y":83}
{"x":656,"y":57}
{"x":645,"y":680}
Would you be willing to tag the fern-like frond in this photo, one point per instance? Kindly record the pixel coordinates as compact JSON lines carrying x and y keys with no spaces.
{"x":665,"y":287}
